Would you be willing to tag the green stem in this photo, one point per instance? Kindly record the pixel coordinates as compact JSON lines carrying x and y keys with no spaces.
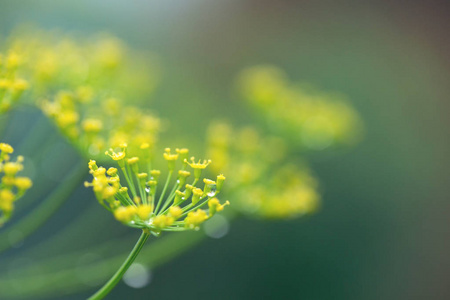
{"x":163,"y":192}
{"x":170,"y":197}
{"x":141,"y":190}
{"x":185,"y":212}
{"x":47,"y":207}
{"x":36,"y":134}
{"x":59,"y":275}
{"x":4,"y":118}
{"x":101,"y":293}
{"x":129,"y":180}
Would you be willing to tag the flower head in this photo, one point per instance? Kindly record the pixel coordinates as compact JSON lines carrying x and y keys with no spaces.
{"x":79,"y":81}
{"x":133,"y":198}
{"x":305,"y":117}
{"x":264,"y":185}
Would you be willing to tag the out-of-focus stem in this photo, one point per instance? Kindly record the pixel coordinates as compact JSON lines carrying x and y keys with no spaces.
{"x":47,"y":207}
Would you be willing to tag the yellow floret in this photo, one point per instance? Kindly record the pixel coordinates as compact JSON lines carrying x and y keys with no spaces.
{"x":5,"y":84}
{"x":92,"y":125}
{"x":194,"y":219}
{"x":143,"y":211}
{"x":215,"y":206}
{"x":8,"y":180}
{"x":23,"y":183}
{"x":20,"y":85}
{"x":169,"y":156}
{"x":112,"y":172}
{"x":125,"y":213}
{"x":116,"y":155}
{"x":175,"y":211}
{"x":109,"y":191}
{"x":199,"y":165}
{"x":162,"y":221}
{"x":6,"y":206}
{"x":183,"y":152}
{"x":6,"y":148}
{"x":13,"y":60}
{"x":220,"y":181}
{"x":92,"y":165}
{"x":67,"y":118}
{"x":6,"y":195}
{"x":11,"y":168}
{"x":100,"y":172}
{"x":197,"y":193}
{"x":133,"y":160}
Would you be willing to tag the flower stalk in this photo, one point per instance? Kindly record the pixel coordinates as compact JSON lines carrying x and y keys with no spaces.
{"x":112,"y":282}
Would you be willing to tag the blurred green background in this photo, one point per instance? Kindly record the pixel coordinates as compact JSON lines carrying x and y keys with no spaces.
{"x":383,"y":230}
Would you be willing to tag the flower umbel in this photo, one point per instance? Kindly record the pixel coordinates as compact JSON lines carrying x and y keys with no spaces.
{"x":12,"y":85}
{"x":265,"y":186}
{"x":137,"y":202}
{"x":304,"y":116}
{"x":12,"y":187}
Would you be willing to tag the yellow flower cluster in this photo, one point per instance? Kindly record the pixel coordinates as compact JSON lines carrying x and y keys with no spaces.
{"x":133,"y":195}
{"x":91,"y":126}
{"x":262,"y":184}
{"x":12,"y":187}
{"x":12,"y":85}
{"x":101,"y":63}
{"x":78,"y":81}
{"x":289,"y":192}
{"x":308,"y":118}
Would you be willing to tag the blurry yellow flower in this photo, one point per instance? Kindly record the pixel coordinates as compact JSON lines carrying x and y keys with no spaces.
{"x":307,"y":118}
{"x":12,"y":187}
{"x":263,"y":184}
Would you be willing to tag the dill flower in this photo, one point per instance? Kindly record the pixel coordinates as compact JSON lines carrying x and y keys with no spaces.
{"x":12,"y":186}
{"x":263,"y":185}
{"x":304,"y":116}
{"x":55,"y":60}
{"x":12,"y":85}
{"x":133,"y":198}
{"x":91,"y":126}
{"x":79,"y":82}
{"x":291,"y":192}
